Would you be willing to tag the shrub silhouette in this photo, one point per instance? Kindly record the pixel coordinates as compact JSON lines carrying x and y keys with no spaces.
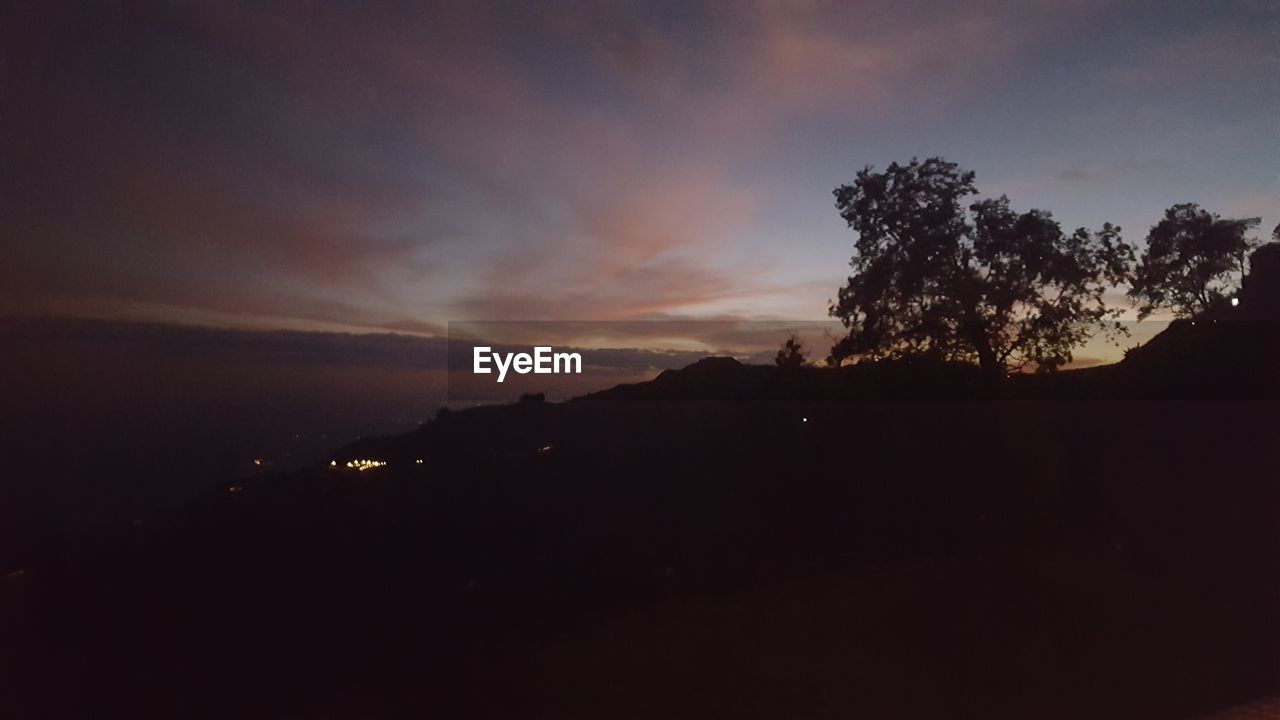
{"x":791,"y":354}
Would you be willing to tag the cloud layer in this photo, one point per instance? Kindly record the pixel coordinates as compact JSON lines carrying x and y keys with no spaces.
{"x":312,"y":166}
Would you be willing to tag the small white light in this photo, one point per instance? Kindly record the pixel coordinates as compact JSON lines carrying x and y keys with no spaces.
{"x":804,"y":419}
{"x":1235,"y":302}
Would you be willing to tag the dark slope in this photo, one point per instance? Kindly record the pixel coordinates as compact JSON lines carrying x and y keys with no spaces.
{"x":724,"y":540}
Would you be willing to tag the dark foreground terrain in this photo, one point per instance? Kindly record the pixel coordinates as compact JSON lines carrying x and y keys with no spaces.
{"x":890,"y":540}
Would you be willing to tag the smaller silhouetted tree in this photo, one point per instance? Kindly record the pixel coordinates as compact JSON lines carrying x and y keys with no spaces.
{"x":1193,"y":261}
{"x":1260,"y":289}
{"x":790,"y":355}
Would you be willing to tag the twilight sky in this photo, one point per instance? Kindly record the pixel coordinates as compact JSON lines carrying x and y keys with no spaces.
{"x":309,"y":166}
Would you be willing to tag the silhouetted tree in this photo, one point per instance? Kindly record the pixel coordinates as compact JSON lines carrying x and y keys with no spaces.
{"x":790,"y":355}
{"x":1260,"y":289}
{"x":1193,"y":261}
{"x":933,"y":276}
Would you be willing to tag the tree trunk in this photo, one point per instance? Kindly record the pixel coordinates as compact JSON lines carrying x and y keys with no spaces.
{"x":992,"y":367}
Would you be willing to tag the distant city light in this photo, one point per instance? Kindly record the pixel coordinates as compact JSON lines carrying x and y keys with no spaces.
{"x":1235,"y":302}
{"x":333,"y":463}
{"x":804,"y":419}
{"x":544,"y":449}
{"x":257,"y":461}
{"x":418,"y":461}
{"x":365,"y":464}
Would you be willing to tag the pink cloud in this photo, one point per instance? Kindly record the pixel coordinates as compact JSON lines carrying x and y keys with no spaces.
{"x":383,"y":169}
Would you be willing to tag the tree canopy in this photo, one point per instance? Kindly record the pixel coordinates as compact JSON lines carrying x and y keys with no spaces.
{"x":936,"y":275}
{"x":1194,"y":260}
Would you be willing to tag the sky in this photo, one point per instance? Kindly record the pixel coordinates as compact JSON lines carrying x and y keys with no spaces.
{"x":307,"y":166}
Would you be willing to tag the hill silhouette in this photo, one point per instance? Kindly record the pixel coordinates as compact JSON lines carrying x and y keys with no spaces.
{"x":887,"y":538}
